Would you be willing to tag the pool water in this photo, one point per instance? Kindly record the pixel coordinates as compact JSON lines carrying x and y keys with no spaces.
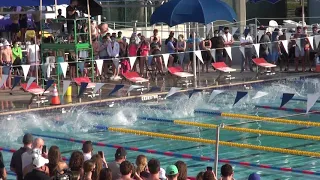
{"x":79,"y":124}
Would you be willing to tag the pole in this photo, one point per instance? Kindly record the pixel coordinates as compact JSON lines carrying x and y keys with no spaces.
{"x":217,"y":150}
{"x":146,"y":17}
{"x":256,"y":28}
{"x":194,"y":59}
{"x":303,"y":15}
{"x":35,"y":37}
{"x":89,"y":22}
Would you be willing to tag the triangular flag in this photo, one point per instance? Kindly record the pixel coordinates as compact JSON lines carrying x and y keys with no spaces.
{"x":316,"y":40}
{"x":228,"y":50}
{"x":3,"y":79}
{"x":242,"y":51}
{"x":285,"y":45}
{"x":213,"y":54}
{"x":66,"y":84}
{"x":172,"y":91}
{"x":199,"y":55}
{"x":286,"y":97}
{"x":83,"y":88}
{"x":260,"y":33}
{"x":48,"y":84}
{"x":288,"y":36}
{"x":181,"y":57}
{"x":310,"y":39}
{"x":16,"y":81}
{"x":25,"y":70}
{"x":311,"y":100}
{"x":260,"y":94}
{"x":257,"y":48}
{"x":116,"y":62}
{"x":48,"y":70}
{"x":81,"y":66}
{"x":165,"y":59}
{"x":208,"y":26}
{"x":132,"y":87}
{"x":154,"y":88}
{"x":234,"y":30}
{"x":116,"y":88}
{"x":30,"y":81}
{"x":240,"y":95}
{"x":64,"y":67}
{"x":99,"y":63}
{"x":97,"y":87}
{"x":298,"y":43}
{"x":214,"y":94}
{"x":132,"y":60}
{"x":193,"y":92}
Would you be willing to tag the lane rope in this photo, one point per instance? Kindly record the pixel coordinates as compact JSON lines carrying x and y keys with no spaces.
{"x":299,"y":110}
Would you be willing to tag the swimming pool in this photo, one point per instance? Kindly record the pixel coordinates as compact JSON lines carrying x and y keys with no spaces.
{"x":79,"y":124}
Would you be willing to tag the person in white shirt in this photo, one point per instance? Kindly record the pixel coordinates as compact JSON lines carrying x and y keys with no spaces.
{"x":246,"y":42}
{"x":113,"y":50}
{"x":87,"y":149}
{"x":228,"y":41}
{"x":33,"y":54}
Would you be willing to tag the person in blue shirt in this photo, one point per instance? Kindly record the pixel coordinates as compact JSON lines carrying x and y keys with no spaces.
{"x":171,"y":49}
{"x":191,"y":49}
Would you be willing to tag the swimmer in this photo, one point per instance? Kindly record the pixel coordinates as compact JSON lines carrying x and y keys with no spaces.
{"x":6,"y":59}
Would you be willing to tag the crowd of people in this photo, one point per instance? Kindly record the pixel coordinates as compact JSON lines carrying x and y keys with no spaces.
{"x":34,"y":162}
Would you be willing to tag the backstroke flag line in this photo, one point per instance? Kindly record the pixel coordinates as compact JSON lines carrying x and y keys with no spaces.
{"x":228,"y":50}
{"x":83,"y":88}
{"x":66,"y":84}
{"x":132,"y":87}
{"x":193,"y":92}
{"x":99,"y":63}
{"x":165,"y":59}
{"x":25,"y":70}
{"x":257,"y":48}
{"x":97,"y":87}
{"x":30,"y":81}
{"x":116,"y":89}
{"x":239,"y":96}
{"x":213,"y":54}
{"x":285,"y":45}
{"x":16,"y":81}
{"x":260,"y":94}
{"x":64,"y":67}
{"x":48,"y":85}
{"x":4,"y":79}
{"x":199,"y":55}
{"x":172,"y":91}
{"x":132,"y":60}
{"x":214,"y":94}
{"x":286,"y":97}
{"x":242,"y":51}
{"x":311,"y":100}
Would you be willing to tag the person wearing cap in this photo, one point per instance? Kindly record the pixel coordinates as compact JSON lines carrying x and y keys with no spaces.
{"x":87,"y":149}
{"x":172,"y":172}
{"x":226,"y":172}
{"x":39,"y":171}
{"x":154,"y":169}
{"x":120,"y":156}
{"x":16,"y":162}
{"x":254,"y":176}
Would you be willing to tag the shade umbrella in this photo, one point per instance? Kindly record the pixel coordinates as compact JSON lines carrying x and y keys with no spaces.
{"x":177,"y":12}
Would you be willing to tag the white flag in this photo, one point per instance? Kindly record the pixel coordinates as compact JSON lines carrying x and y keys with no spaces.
{"x":99,"y":63}
{"x":228,"y":50}
{"x":285,"y":45}
{"x":115,"y":62}
{"x":25,"y":69}
{"x":66,"y":84}
{"x":234,"y":30}
{"x":317,"y":40}
{"x":3,"y":79}
{"x":260,"y":33}
{"x":48,"y":68}
{"x":199,"y":55}
{"x":172,"y":91}
{"x":208,"y":26}
{"x":310,"y":39}
{"x":298,"y":43}
{"x":311,"y":100}
{"x":30,"y":81}
{"x":257,"y":48}
{"x":97,"y":87}
{"x":214,"y":94}
{"x":165,"y":59}
{"x":242,"y":51}
{"x":288,"y":36}
{"x":132,"y":87}
{"x":132,"y":60}
{"x":260,"y":94}
{"x":213,"y":54}
{"x":64,"y":67}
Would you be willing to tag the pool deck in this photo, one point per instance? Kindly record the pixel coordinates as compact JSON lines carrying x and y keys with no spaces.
{"x":19,"y":100}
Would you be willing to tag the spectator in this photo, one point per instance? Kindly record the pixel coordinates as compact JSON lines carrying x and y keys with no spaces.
{"x":200,"y":176}
{"x":172,"y":172}
{"x":141,"y":163}
{"x":23,"y":22}
{"x":33,"y":56}
{"x":171,"y":49}
{"x":205,"y":46}
{"x":103,"y":28}
{"x":71,"y":16}
{"x":162,"y":174}
{"x":171,"y":35}
{"x":36,"y":19}
{"x":181,"y":48}
{"x":264,"y":46}
{"x":16,"y":162}
{"x":299,"y":51}
{"x":217,"y":43}
{"x":246,"y":42}
{"x":133,"y":50}
{"x":96,"y":47}
{"x":275,"y":47}
{"x":113,"y":50}
{"x":87,"y":150}
{"x":123,"y":47}
{"x":17,"y":57}
{"x":114,"y":166}
{"x":228,"y":41}
{"x":154,"y":169}
{"x":15,"y":28}
{"x":146,"y":175}
{"x":284,"y":55}
{"x":6,"y":59}
{"x":72,"y":64}
{"x":94,"y":29}
{"x":126,"y":170}
{"x":76,"y":162}
{"x":56,"y":164}
{"x":144,"y":52}
{"x":99,"y":162}
{"x":209,"y":175}
{"x":40,"y":169}
{"x":156,"y":35}
{"x":119,"y":37}
{"x":254,"y":176}
{"x":3,"y":172}
{"x":183,"y":171}
{"x":61,"y":20}
{"x":105,"y":174}
{"x":89,"y":168}
{"x":226,"y":172}
{"x":191,"y":49}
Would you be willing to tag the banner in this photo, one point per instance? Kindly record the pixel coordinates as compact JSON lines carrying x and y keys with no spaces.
{"x":317,"y":40}
{"x":310,"y":39}
{"x":285,"y":45}
{"x":83,"y":88}
{"x":194,"y":91}
{"x":199,"y":55}
{"x":234,"y":30}
{"x":213,"y":54}
{"x":214,"y":94}
{"x":81,"y":66}
{"x":132,"y":60}
{"x":66,"y":84}
{"x":16,"y":81}
{"x":97,"y":87}
{"x":30,"y":81}
{"x":64,"y":67}
{"x":165,"y":59}
{"x":25,"y":70}
{"x":286,"y":97}
{"x":99,"y":63}
{"x":172,"y":91}
{"x":260,"y":94}
{"x":240,"y":95}
{"x":3,"y":80}
{"x":48,"y":84}
{"x":132,"y":87}
{"x":257,"y":48}
{"x":154,"y":88}
{"x":228,"y":50}
{"x":116,"y":88}
{"x":311,"y":100}
{"x":242,"y":51}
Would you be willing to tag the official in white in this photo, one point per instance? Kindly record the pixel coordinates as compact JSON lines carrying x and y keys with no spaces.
{"x":113,"y":50}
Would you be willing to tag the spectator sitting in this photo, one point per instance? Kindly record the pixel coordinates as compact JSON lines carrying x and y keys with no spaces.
{"x":39,"y":172}
{"x":172,"y":172}
{"x":183,"y":171}
{"x":87,"y":150}
{"x":3,"y":172}
{"x":154,"y":169}
{"x":254,"y":176}
{"x":16,"y":162}
{"x":226,"y":172}
{"x":114,"y":166}
{"x":105,"y":174}
{"x":76,"y":162}
{"x":56,"y":164}
{"x":88,"y":167}
{"x":126,"y":170}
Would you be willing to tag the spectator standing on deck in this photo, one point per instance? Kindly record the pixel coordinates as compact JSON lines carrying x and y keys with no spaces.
{"x":61,"y":20}
{"x":181,"y":48}
{"x":299,"y":52}
{"x":33,"y":57}
{"x":15,"y":28}
{"x":284,"y":55}
{"x":71,"y":16}
{"x":228,"y":41}
{"x":17,"y":57}
{"x":275,"y":47}
{"x":6,"y":59}
{"x":113,"y":50}
{"x":36,"y":18}
{"x":120,"y":156}
{"x":76,"y":162}
{"x":205,"y":46}
{"x":156,"y":35}
{"x":191,"y":49}
{"x":3,"y":172}
{"x":16,"y":161}
{"x":246,"y":42}
{"x":23,"y":22}
{"x":144,"y":49}
{"x":217,"y":43}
